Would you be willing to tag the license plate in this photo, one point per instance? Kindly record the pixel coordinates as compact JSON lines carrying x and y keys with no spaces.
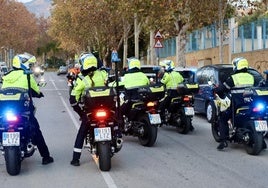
{"x":189,"y":111}
{"x":11,"y":138}
{"x":102,"y":134}
{"x":154,"y":118}
{"x":260,"y":125}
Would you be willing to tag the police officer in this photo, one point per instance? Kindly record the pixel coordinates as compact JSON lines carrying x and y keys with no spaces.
{"x":171,"y":79}
{"x":17,"y":78}
{"x":132,"y":79}
{"x":93,"y":78}
{"x":240,"y":79}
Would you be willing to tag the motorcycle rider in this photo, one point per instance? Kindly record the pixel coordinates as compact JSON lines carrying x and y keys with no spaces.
{"x":73,"y":72}
{"x":93,"y":78}
{"x":240,"y":79}
{"x":17,"y":78}
{"x":171,"y":79}
{"x":132,"y":79}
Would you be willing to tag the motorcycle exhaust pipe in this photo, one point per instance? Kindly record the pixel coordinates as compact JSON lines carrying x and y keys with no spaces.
{"x":119,"y":143}
{"x":30,"y":147}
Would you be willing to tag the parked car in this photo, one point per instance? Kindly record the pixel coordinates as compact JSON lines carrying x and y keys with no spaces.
{"x":187,"y":73}
{"x":151,"y":71}
{"x":217,"y":73}
{"x":62,"y":70}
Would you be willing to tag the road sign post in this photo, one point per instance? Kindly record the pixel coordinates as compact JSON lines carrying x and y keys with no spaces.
{"x":158,"y":44}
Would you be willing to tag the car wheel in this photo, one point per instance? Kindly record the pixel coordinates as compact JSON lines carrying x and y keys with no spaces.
{"x":210,"y":112}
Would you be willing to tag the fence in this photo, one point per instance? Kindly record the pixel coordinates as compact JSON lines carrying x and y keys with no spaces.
{"x":244,"y":38}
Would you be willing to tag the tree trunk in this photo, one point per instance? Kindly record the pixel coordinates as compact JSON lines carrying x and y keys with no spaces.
{"x":181,"y":45}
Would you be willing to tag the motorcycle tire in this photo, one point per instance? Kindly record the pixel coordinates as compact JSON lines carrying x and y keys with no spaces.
{"x":255,"y":144}
{"x":13,"y":160}
{"x":215,"y":131}
{"x":185,"y":125}
{"x":149,"y":135}
{"x":210,"y":112}
{"x":104,"y":154}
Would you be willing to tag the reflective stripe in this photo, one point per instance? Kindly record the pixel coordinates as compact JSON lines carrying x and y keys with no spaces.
{"x":243,"y":79}
{"x":227,"y":86}
{"x":78,"y":150}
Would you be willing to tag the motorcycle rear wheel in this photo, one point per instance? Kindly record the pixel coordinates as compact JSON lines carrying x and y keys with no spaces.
{"x":185,"y":125}
{"x":149,"y":135}
{"x":255,"y":144}
{"x":13,"y":160}
{"x":104,"y":153}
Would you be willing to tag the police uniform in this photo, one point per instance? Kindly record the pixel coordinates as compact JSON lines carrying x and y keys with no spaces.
{"x":171,"y":79}
{"x":95,"y":79}
{"x":133,"y":78}
{"x":240,"y":79}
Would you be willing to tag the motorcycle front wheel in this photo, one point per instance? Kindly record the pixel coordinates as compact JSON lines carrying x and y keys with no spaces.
{"x":215,"y":131}
{"x":149,"y":132}
{"x":104,"y":153}
{"x":13,"y":160}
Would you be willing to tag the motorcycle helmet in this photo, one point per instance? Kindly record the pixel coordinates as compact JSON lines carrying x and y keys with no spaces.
{"x":239,"y":63}
{"x":23,"y":61}
{"x":77,"y":66}
{"x":133,"y":62}
{"x":167,"y":64}
{"x":88,"y":61}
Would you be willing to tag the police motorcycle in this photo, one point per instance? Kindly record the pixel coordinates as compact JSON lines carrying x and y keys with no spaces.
{"x":248,"y":123}
{"x":180,"y":111}
{"x":16,"y":130}
{"x":142,"y":118}
{"x":103,"y":137}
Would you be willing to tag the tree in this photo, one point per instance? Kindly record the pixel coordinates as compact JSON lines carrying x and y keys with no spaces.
{"x":18,"y":29}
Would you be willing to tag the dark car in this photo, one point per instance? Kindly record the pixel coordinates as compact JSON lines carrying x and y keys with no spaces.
{"x":217,"y":73}
{"x":150,"y":71}
{"x":187,"y":73}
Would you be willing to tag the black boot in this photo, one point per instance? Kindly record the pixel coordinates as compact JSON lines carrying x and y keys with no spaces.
{"x":75,"y":161}
{"x":222,"y":145}
{"x":47,"y":160}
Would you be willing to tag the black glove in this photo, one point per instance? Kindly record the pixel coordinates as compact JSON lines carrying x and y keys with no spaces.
{"x":40,"y":95}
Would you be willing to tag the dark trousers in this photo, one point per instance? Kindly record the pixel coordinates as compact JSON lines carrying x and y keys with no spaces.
{"x":39,"y":139}
{"x":223,"y":124}
{"x":79,"y":141}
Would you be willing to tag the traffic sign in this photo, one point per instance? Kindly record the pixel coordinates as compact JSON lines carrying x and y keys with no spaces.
{"x":158,"y":44}
{"x":158,"y":35}
{"x":114,"y":56}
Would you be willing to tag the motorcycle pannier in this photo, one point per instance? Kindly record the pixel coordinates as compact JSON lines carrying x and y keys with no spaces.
{"x":14,"y":98}
{"x":99,"y":96}
{"x":187,"y":89}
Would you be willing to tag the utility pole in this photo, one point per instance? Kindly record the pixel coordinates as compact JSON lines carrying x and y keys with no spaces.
{"x":220,"y":32}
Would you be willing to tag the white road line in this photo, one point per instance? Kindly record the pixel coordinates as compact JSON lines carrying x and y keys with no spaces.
{"x":106,"y":175}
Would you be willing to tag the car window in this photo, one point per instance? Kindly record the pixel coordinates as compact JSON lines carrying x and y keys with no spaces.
{"x":257,"y":76}
{"x":187,"y":75}
{"x":199,"y":76}
{"x":224,"y":73}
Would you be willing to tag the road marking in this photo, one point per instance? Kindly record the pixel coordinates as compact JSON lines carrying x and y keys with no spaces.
{"x":106,"y":175}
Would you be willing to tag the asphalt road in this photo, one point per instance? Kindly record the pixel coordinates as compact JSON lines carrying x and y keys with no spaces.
{"x":175,"y":160}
